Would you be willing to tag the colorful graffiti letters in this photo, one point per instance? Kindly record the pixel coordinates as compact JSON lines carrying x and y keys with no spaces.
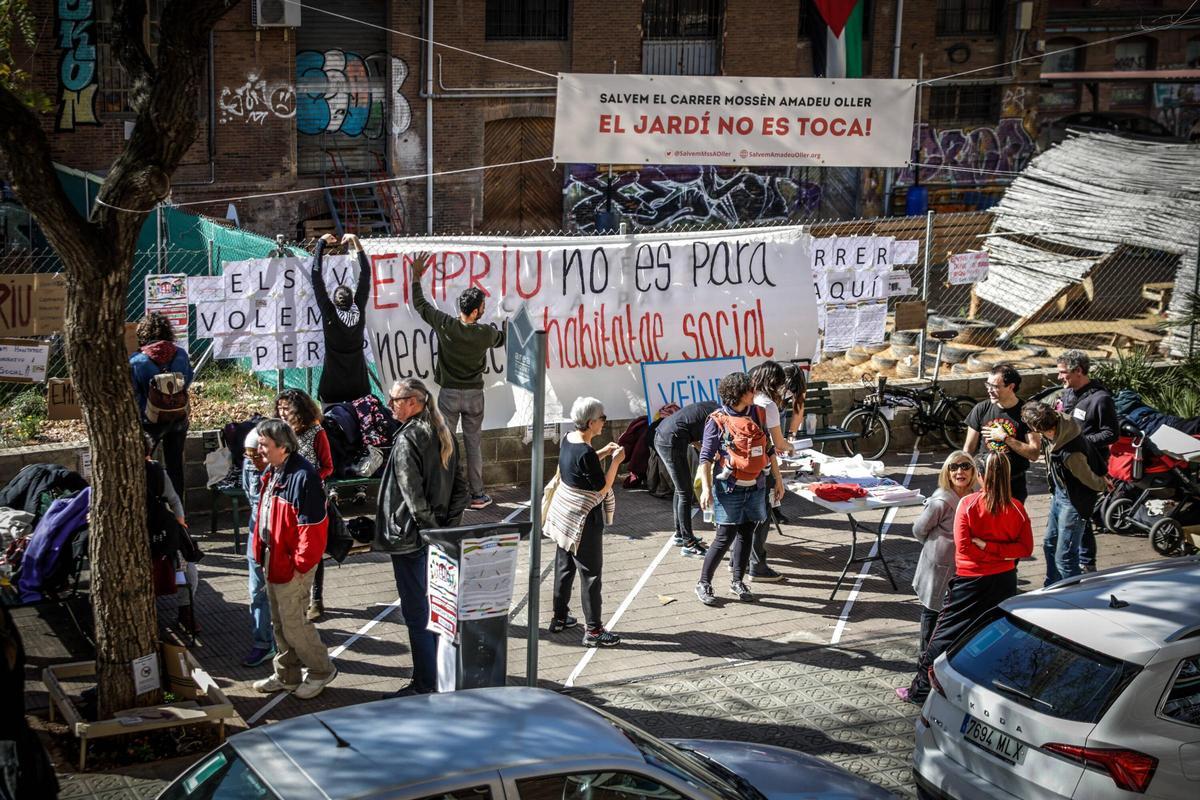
{"x":256,"y":100}
{"x":77,"y":66}
{"x":975,"y":156}
{"x":341,"y":92}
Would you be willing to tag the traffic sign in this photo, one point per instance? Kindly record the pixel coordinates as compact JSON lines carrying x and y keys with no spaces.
{"x":521,"y":346}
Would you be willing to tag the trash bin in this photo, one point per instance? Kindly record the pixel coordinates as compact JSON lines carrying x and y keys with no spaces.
{"x":472,"y":571}
{"x":916,"y":202}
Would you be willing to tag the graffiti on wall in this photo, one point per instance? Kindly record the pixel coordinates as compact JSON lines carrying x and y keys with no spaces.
{"x":256,"y":100}
{"x":1177,"y":106}
{"x":973,"y":156}
{"x":76,"y":65}
{"x":659,"y":196}
{"x":343,"y":92}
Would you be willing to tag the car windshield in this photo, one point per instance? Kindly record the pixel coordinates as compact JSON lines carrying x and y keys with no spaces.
{"x":688,"y":766}
{"x":1040,"y":670}
{"x":222,"y":775}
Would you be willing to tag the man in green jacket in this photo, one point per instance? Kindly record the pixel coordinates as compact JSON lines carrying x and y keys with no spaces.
{"x":462,"y":356}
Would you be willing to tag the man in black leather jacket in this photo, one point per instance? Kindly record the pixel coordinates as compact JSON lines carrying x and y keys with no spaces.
{"x":422,"y":487}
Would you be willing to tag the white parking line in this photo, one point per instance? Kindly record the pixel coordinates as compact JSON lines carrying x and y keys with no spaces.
{"x":359,"y":634}
{"x":866,"y":568}
{"x":612,"y":623}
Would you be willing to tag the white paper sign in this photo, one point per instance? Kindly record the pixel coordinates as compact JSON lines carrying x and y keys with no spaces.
{"x":841,"y":327}
{"x":205,"y":289}
{"x":869,"y":327}
{"x":685,"y":382}
{"x":145,"y":673}
{"x":905,"y":251}
{"x":23,"y":362}
{"x":968,"y":267}
{"x":899,"y":282}
{"x":674,"y":119}
{"x":488,"y":572}
{"x":443,"y":593}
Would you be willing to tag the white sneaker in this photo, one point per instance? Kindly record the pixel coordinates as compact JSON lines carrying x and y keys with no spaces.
{"x":314,"y":686}
{"x":272,"y":685}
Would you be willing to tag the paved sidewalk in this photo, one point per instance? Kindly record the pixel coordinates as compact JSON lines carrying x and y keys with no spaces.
{"x":706,"y":671}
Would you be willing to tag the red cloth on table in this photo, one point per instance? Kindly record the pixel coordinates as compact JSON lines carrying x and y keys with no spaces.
{"x":837,"y":492}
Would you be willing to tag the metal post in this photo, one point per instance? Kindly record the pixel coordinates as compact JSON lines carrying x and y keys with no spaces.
{"x":925,"y":292}
{"x":535,"y":505}
{"x":917,"y":133}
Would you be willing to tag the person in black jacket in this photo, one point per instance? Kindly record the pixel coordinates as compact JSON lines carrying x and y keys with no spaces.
{"x":1076,"y":474}
{"x":344,"y":375}
{"x":422,"y":487}
{"x":675,"y":434}
{"x":1090,"y":404}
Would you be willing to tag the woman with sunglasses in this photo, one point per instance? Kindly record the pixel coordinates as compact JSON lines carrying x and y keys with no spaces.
{"x":934,"y":529}
{"x":576,"y":519}
{"x":991,"y":533}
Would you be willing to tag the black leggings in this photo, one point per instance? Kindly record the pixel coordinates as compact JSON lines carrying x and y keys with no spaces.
{"x":741,"y":538}
{"x":588,"y":561}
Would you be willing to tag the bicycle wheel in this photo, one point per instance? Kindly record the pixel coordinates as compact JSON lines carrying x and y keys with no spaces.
{"x":954,"y":422}
{"x":874,"y":433}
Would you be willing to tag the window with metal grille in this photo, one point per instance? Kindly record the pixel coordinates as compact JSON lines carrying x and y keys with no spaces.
{"x":526,"y":19}
{"x":962,"y":104}
{"x":682,"y":19}
{"x":113,"y":94}
{"x":961,"y":17}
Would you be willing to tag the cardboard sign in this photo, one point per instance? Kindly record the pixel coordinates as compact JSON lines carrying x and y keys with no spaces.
{"x":61,"y":402}
{"x":23,"y":361}
{"x":910,"y":316}
{"x":131,"y":342}
{"x":968,"y":268}
{"x":32,"y":305}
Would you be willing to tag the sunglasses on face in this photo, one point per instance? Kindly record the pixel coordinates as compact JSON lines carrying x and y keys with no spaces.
{"x":961,"y":467}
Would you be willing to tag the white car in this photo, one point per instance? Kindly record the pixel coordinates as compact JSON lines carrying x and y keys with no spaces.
{"x":1087,"y":689}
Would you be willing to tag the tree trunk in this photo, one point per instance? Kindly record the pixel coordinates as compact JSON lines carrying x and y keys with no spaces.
{"x":119,"y":547}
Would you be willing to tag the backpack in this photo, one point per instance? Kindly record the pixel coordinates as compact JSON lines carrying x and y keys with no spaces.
{"x":742,"y":442}
{"x":167,"y":398}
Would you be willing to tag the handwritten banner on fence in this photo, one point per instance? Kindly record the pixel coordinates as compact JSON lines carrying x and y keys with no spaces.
{"x":22,"y":361}
{"x":660,"y":119}
{"x":61,"y":400}
{"x":32,"y":305}
{"x":968,"y":268}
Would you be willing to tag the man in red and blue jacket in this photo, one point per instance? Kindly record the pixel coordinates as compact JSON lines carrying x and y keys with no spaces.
{"x":289,"y":541}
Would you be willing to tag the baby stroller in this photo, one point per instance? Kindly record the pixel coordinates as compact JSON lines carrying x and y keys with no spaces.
{"x":1156,"y":494}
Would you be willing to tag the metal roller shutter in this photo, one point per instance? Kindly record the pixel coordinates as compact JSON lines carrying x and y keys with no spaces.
{"x":342,"y":100}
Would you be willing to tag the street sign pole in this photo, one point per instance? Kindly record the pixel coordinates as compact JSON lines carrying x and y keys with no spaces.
{"x":535,"y":503}
{"x":525,"y":366}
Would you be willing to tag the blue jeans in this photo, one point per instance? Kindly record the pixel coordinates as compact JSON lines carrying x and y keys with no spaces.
{"x":1087,"y":546}
{"x":1064,"y":528}
{"x":260,"y":606}
{"x":412,"y":582}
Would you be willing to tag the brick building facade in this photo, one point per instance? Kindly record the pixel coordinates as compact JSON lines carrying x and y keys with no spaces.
{"x":1129,"y":62}
{"x":352,"y":94}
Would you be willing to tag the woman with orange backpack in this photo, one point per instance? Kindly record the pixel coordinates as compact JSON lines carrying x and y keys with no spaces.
{"x":735,"y":456}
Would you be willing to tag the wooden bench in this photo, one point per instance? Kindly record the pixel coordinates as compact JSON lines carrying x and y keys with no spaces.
{"x":237,"y":497}
{"x":1159,"y":294}
{"x":819,"y":402}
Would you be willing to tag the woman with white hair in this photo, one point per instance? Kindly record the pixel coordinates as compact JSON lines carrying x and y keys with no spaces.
{"x":576,"y":517}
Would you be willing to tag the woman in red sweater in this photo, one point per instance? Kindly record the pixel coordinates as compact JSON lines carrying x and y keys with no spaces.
{"x":991,"y":532}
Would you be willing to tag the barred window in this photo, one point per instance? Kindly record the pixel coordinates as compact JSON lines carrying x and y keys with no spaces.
{"x":526,"y":19}
{"x":681,"y":19}
{"x":113,"y":95}
{"x":962,"y":17}
{"x":963,"y":104}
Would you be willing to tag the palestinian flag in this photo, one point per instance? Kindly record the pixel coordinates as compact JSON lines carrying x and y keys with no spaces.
{"x":837,"y":36}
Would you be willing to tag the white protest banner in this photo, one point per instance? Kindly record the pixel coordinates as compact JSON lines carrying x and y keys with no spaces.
{"x":683,"y":381}
{"x":23,"y":361}
{"x":661,"y":119}
{"x":607,"y":305}
{"x":968,"y":267}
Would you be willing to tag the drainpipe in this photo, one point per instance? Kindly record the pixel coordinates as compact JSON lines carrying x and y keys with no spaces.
{"x":429,"y":116}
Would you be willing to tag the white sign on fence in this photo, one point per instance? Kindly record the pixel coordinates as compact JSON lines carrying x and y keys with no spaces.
{"x":968,"y":267}
{"x":685,"y":382}
{"x":673,"y":119}
{"x":23,"y":361}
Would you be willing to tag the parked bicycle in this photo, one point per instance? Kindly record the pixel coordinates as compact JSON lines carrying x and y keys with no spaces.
{"x":934,"y":411}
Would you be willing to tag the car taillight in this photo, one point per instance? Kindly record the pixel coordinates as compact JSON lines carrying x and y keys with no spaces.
{"x":937,"y":686}
{"x":1129,"y":769}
